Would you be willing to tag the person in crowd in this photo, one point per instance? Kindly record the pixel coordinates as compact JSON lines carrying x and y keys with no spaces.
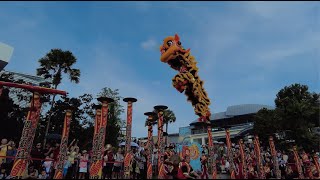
{"x":155,"y":161}
{"x":11,"y":152}
{"x":37,"y":153}
{"x":3,"y":173}
{"x":141,"y":163}
{"x":108,"y":162}
{"x":66,"y":166}
{"x":43,"y":174}
{"x":117,"y":166}
{"x":48,"y":165}
{"x":204,"y":162}
{"x":32,"y":173}
{"x":185,"y":169}
{"x":84,"y":158}
{"x":3,"y":150}
{"x":72,"y":158}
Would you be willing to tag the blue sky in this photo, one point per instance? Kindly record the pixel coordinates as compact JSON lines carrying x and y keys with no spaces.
{"x":246,"y":51}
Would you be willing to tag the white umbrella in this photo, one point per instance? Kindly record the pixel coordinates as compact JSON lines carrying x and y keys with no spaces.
{"x":133,"y":144}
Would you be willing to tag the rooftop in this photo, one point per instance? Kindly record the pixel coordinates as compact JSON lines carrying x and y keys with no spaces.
{"x":237,"y":110}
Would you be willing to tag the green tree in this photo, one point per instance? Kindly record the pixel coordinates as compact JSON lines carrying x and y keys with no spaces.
{"x":114,"y":113}
{"x":81,"y":118}
{"x":297,"y":110}
{"x":52,"y":66}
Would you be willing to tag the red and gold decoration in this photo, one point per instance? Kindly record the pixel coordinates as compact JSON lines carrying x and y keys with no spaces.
{"x":149,"y":145}
{"x":20,"y":164}
{"x":316,"y":163}
{"x":188,"y":81}
{"x":212,"y":168}
{"x":98,"y":150}
{"x":94,"y":171}
{"x":230,"y":154}
{"x":161,"y":143}
{"x":63,"y":145}
{"x":298,"y":162}
{"x":257,"y":152}
{"x":128,"y":155}
{"x":243,"y":160}
{"x":274,"y":156}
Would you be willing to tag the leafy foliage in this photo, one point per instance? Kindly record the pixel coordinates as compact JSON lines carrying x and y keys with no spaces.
{"x":297,"y":110}
{"x":114,"y":113}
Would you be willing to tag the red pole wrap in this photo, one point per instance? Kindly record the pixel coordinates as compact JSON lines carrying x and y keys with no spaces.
{"x":97,"y":159}
{"x":128,"y":156}
{"x":63,"y":146}
{"x":258,"y":157}
{"x":211,"y":159}
{"x":243,"y":160}
{"x":20,"y":164}
{"x":230,"y":154}
{"x":274,"y":156}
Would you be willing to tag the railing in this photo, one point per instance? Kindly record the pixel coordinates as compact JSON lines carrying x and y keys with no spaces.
{"x":237,"y":127}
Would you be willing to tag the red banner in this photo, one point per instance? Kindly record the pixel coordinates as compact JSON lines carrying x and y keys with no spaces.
{"x":63,"y":146}
{"x":243,"y":160}
{"x":20,"y":165}
{"x":160,"y":140}
{"x":99,"y":141}
{"x":230,"y":154}
{"x":298,"y":163}
{"x":128,"y":155}
{"x":149,"y":166}
{"x":211,"y":160}
{"x":258,"y":157}
{"x":274,"y":156}
{"x":316,"y":163}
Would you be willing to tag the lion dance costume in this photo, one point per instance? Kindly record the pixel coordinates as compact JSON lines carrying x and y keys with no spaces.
{"x":188,"y":81}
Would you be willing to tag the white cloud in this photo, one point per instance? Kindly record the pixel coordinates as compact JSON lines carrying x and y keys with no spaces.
{"x":150,"y":44}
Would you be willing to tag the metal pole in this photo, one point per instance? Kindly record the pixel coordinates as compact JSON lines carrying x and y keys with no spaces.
{"x":275,"y":159}
{"x":149,"y":157}
{"x":298,"y":163}
{"x":20,"y":165}
{"x":94,"y":172}
{"x":211,"y":159}
{"x":128,"y":156}
{"x":97,"y":164}
{"x":230,"y":154}
{"x":243,"y":160}
{"x":160,"y":109}
{"x":258,"y":157}
{"x":63,"y":146}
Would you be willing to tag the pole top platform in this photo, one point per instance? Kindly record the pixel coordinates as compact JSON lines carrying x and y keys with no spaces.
{"x":130,"y":99}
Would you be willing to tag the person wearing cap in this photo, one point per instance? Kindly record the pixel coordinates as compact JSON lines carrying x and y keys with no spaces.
{"x":83,"y":165}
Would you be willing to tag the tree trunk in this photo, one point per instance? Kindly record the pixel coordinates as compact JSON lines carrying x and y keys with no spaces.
{"x":49,"y":118}
{"x":167,"y":133}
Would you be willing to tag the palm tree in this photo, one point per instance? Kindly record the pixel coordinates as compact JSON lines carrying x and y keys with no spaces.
{"x":168,"y":117}
{"x":52,"y":66}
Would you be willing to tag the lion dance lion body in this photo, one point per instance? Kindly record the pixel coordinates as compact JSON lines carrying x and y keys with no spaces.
{"x":187,"y":80}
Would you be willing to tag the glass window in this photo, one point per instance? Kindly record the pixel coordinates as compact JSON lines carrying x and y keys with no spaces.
{"x":198,"y":140}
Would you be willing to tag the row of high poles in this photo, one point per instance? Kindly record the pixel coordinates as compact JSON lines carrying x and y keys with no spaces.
{"x":25,"y":145}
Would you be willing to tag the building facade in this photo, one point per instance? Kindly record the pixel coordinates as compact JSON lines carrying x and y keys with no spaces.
{"x":239,"y":118}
